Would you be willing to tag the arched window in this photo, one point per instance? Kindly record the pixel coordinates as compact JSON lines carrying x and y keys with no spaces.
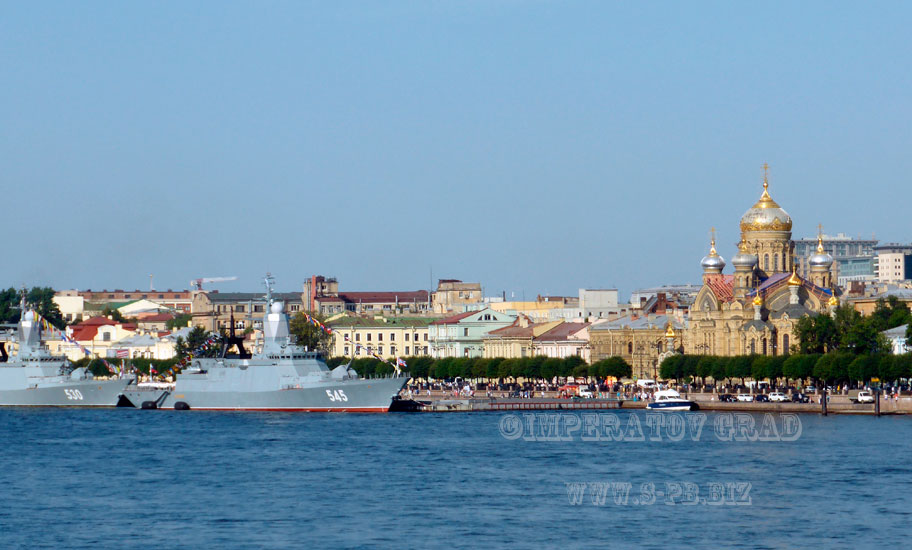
{"x":766,"y":262}
{"x":763,"y":346}
{"x":785,"y":266}
{"x":630,"y":348}
{"x":785,"y":344}
{"x":753,"y":346}
{"x":775,"y":262}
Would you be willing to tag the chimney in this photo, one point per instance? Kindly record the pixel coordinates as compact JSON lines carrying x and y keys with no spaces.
{"x":661,"y":304}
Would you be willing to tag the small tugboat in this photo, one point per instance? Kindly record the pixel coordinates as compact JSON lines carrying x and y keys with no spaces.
{"x":670,"y":400}
{"x":34,"y":377}
{"x":281,"y":376}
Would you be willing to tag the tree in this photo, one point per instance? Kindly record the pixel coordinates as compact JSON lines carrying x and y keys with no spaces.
{"x":180,"y":321}
{"x":42,"y":299}
{"x":613,"y":366}
{"x":816,"y":334}
{"x":195,"y":339}
{"x":671,"y":367}
{"x":308,"y":335}
{"x":113,"y":314}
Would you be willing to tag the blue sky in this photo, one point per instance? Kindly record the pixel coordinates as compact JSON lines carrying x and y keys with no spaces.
{"x":536,"y":147}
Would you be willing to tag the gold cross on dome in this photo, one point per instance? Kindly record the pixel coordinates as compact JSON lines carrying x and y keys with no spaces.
{"x":765,"y":175}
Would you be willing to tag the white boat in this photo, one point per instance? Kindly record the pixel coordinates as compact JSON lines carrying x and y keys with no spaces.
{"x":670,"y":400}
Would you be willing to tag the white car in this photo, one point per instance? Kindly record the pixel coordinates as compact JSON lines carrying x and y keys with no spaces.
{"x":778,"y":397}
{"x":745,"y":397}
{"x":864,"y":397}
{"x":585,"y":393}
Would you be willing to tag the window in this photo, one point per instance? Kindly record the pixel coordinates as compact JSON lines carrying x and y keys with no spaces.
{"x":630,"y":348}
{"x":295,"y":307}
{"x":785,"y":344}
{"x":258,"y":309}
{"x":379,"y":350}
{"x":379,"y":336}
{"x":358,"y":337}
{"x":392,"y":337}
{"x":766,"y":262}
{"x":239,"y":309}
{"x":763,"y":346}
{"x":753,"y":346}
{"x":392,"y":350}
{"x":406,"y":337}
{"x":465,"y":331}
{"x":161,"y":296}
{"x":406,"y":350}
{"x":425,"y":350}
{"x":368,"y":337}
{"x":425,"y":338}
{"x":106,"y":336}
{"x":345,"y":350}
{"x":775,"y":262}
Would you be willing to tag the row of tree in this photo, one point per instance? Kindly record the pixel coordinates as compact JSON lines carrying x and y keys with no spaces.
{"x":834,"y":367}
{"x":532,"y":368}
{"x":851,"y":332}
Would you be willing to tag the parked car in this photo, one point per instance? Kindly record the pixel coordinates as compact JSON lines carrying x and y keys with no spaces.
{"x":585,"y":392}
{"x":778,"y":397}
{"x":745,"y":397}
{"x":727,"y":398}
{"x":762,"y":398}
{"x":800,"y":398}
{"x":864,"y":397}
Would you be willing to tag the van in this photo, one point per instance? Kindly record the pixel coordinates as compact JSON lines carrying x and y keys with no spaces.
{"x":646,"y":383}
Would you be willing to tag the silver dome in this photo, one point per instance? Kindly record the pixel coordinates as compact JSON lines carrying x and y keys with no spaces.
{"x":820,"y":259}
{"x":743,"y":259}
{"x":713,"y":262}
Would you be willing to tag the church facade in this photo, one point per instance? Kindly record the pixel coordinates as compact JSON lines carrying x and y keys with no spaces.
{"x":755,"y":308}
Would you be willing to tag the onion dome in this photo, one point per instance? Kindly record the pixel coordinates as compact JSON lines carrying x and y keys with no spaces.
{"x":669,"y":331}
{"x":758,"y":301}
{"x":713,"y":263}
{"x":766,"y":214}
{"x":833,"y":301}
{"x":743,"y":258}
{"x":820,"y":258}
{"x":794,"y":280}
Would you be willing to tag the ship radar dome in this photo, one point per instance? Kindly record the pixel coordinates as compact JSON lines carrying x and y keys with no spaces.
{"x":276,"y":307}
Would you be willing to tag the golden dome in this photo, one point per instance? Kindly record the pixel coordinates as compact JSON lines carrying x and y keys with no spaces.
{"x":670,"y":331}
{"x":758,"y":301}
{"x":833,"y":301}
{"x":766,"y":214}
{"x":794,"y":280}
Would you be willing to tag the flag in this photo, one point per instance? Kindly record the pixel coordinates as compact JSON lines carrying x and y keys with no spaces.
{"x":152,"y":369}
{"x":400,"y":362}
{"x":122,"y":353}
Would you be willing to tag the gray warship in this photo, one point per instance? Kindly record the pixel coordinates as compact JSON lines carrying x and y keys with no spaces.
{"x":280,"y":376}
{"x":34,"y":377}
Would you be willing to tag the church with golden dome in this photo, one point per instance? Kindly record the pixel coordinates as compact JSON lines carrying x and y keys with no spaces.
{"x":756,"y":308}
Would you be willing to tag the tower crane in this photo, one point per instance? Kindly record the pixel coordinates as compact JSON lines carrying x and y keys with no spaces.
{"x":198,"y":283}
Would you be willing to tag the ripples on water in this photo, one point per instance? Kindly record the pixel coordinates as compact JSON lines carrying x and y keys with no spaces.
{"x":162,"y":479}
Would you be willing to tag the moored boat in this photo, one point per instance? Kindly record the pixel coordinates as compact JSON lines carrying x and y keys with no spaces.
{"x":671,"y":400}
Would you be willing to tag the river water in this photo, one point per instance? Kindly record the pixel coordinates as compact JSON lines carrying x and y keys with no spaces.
{"x":164,"y":479}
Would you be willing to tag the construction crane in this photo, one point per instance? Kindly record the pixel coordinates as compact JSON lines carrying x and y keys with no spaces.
{"x":198,"y":283}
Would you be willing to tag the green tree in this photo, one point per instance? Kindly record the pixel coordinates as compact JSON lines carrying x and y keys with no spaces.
{"x":42,"y":299}
{"x":816,"y":334}
{"x":194,"y":341}
{"x":180,"y":321}
{"x":308,"y":335}
{"x":114,"y":314}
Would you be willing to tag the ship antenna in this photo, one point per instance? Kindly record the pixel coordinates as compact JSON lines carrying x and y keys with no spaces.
{"x":22,"y":295}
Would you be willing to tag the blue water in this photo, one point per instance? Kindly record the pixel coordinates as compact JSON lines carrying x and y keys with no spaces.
{"x":163,"y":479}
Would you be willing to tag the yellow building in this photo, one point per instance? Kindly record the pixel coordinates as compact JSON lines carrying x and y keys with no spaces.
{"x":538,"y":310}
{"x":755,"y":309}
{"x":386,"y":337}
{"x":515,"y":341}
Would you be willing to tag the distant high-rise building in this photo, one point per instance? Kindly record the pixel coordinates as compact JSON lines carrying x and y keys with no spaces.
{"x":840,"y":246}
